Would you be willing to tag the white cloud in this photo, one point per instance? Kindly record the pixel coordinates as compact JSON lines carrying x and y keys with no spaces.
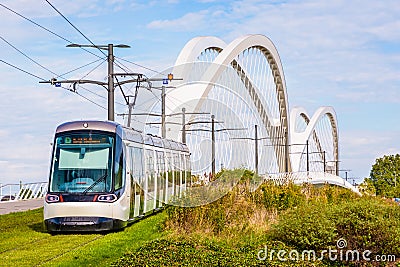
{"x":188,"y":22}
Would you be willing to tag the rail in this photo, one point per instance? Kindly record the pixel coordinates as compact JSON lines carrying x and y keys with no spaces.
{"x":16,"y":192}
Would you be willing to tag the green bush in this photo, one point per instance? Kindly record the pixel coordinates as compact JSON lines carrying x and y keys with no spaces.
{"x":281,"y":197}
{"x":307,"y":227}
{"x":365,"y":223}
{"x":227,"y":215}
{"x":369,"y":224}
{"x":304,"y":217}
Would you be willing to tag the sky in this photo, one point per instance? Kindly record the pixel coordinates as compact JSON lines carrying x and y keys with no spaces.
{"x":344,"y":54}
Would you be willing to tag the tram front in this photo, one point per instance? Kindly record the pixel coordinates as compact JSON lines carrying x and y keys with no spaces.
{"x":86,"y":184}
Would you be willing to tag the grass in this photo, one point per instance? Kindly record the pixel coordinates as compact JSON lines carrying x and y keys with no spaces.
{"x":231,"y":231}
{"x":191,"y":252}
{"x":24,"y":243}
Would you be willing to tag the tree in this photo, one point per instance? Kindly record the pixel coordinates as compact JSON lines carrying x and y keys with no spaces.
{"x":367,"y":187}
{"x":385,"y":176}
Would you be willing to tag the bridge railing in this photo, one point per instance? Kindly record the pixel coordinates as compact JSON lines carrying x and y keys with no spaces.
{"x":312,"y":178}
{"x":15,"y":192}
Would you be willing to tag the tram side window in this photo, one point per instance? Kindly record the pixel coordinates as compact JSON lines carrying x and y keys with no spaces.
{"x":160,"y":175}
{"x":150,"y":170}
{"x":161,"y":162}
{"x":188,"y":170}
{"x":184,"y":168}
{"x":177,"y":168}
{"x":137,"y":164}
{"x":170,"y":165}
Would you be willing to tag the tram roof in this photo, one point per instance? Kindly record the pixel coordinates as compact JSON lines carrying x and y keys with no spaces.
{"x":128,"y":133}
{"x":108,"y":126}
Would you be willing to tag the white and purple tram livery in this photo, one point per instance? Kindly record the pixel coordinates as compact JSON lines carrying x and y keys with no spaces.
{"x":104,"y":175}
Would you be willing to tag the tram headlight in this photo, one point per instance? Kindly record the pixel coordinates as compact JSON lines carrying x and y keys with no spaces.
{"x":107,"y":198}
{"x":52,"y":198}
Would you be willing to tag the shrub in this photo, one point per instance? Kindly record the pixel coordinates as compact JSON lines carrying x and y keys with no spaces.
{"x":369,"y":224}
{"x":365,"y":223}
{"x":281,"y":197}
{"x":307,"y":227}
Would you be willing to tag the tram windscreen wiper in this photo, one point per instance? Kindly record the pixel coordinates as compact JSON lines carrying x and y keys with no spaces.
{"x":95,"y":183}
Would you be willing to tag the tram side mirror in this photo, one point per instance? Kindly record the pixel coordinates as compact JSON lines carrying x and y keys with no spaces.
{"x":82,"y":154}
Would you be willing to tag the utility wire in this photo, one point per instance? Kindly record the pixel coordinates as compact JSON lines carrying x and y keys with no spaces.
{"x":40,"y":78}
{"x":98,"y":65}
{"x":88,"y":64}
{"x":75,"y":27}
{"x":88,"y":99}
{"x":24,"y":71}
{"x":65,"y":39}
{"x":141,"y":66}
{"x":34,"y":61}
{"x":44,"y":28}
{"x":37,"y":63}
{"x":80,"y":32}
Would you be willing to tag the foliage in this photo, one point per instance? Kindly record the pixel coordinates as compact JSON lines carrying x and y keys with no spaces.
{"x":238,"y":209}
{"x":365,"y":223}
{"x":309,"y":227}
{"x":385,"y":174}
{"x":369,"y":223}
{"x":281,"y":197}
{"x":367,"y":187}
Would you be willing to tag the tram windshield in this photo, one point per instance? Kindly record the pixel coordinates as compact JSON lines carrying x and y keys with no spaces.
{"x":82,"y":163}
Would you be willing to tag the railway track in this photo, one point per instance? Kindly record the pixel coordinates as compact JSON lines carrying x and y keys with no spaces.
{"x":23,"y":242}
{"x":45,"y":250}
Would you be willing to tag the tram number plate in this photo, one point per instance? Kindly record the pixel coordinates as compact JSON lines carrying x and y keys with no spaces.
{"x":80,"y":219}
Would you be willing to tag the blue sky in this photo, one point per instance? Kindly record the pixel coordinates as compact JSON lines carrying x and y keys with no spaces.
{"x":340,"y":53}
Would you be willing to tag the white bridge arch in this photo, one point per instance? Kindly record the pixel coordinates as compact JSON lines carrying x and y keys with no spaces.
{"x":242,"y":84}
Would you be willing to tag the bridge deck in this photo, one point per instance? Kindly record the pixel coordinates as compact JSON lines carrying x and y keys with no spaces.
{"x":22,"y":205}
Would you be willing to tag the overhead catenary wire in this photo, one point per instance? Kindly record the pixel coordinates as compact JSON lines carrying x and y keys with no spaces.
{"x":76,"y":28}
{"x":47,"y":69}
{"x":31,"y":59}
{"x":78,"y":68}
{"x":69,"y":41}
{"x":90,"y":41}
{"x":40,"y":65}
{"x":141,"y":66}
{"x":40,"y":78}
{"x":44,"y":28}
{"x":24,"y":71}
{"x":119,"y":64}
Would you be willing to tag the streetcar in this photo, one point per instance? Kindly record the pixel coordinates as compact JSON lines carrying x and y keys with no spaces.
{"x":104,"y":175}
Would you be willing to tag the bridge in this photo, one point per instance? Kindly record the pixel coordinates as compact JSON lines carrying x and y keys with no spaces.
{"x":231,"y":108}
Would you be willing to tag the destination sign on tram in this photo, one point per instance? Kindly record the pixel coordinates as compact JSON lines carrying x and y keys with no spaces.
{"x":86,"y":140}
